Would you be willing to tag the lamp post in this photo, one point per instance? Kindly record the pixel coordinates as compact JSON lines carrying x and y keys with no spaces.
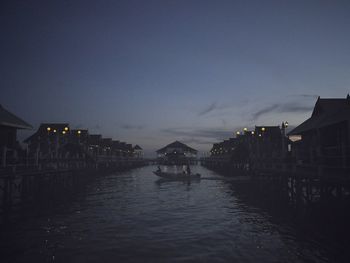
{"x":283,"y":128}
{"x":79,"y":132}
{"x":48,"y":129}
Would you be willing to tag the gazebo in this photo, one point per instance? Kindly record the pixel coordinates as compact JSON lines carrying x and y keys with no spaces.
{"x":176,"y":153}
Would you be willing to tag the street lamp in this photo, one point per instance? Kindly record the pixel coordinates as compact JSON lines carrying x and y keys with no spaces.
{"x":284,"y":126}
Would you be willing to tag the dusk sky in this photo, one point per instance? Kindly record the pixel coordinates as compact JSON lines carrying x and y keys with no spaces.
{"x":151,"y":72}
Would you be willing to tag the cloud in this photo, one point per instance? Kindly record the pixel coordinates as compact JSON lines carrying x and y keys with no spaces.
{"x":210,"y":133}
{"x":214,"y":107}
{"x":208,"y":109}
{"x":291,"y":107}
{"x":131,"y":127}
{"x":265,"y":110}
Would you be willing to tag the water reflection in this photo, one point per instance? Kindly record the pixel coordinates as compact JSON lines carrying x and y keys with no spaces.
{"x":135,"y":217}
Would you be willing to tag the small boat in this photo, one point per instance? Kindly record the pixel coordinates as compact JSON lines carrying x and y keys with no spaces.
{"x":177,"y":176}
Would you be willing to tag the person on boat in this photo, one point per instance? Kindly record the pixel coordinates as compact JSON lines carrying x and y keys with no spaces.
{"x":159,"y":170}
{"x":188,"y":169}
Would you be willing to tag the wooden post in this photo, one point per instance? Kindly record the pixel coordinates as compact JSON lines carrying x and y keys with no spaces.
{"x":37,"y":155}
{"x":3,"y":159}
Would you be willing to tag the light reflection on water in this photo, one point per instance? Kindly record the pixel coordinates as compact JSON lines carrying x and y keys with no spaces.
{"x":135,"y":217}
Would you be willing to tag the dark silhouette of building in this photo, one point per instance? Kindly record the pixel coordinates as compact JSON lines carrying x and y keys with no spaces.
{"x":9,"y":124}
{"x":176,"y":153}
{"x":47,"y":142}
{"x":138,"y":152}
{"x":324,"y":138}
{"x":251,"y":149}
{"x":55,"y":145}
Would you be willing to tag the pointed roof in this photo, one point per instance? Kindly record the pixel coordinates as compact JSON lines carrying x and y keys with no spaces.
{"x":43,"y":130}
{"x":326,"y":112}
{"x":177,"y":144}
{"x":137,"y":147}
{"x":10,"y":120}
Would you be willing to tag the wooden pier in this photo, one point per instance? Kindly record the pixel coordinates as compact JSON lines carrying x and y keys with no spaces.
{"x":301,"y":185}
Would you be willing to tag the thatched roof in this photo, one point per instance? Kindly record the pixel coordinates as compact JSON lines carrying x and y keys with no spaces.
{"x":326,"y":112}
{"x":8,"y":119}
{"x":177,"y":145}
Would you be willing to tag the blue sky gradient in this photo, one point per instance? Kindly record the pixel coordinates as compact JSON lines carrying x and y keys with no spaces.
{"x":151,"y":72}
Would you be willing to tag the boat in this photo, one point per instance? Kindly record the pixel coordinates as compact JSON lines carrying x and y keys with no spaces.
{"x":177,"y":176}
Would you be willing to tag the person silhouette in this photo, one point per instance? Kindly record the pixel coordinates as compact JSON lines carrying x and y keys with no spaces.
{"x":188,"y":169}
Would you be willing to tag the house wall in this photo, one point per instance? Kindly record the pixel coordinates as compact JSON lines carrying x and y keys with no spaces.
{"x":8,"y":136}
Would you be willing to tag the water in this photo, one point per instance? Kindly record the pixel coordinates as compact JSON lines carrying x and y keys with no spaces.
{"x":135,"y":217}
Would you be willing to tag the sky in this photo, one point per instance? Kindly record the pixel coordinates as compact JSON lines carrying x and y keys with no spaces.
{"x":151,"y":72}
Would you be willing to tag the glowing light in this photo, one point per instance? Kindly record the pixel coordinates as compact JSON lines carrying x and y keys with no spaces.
{"x":253,"y":132}
{"x":54,"y":131}
{"x":79,"y":132}
{"x":286,"y":124}
{"x":295,"y":138}
{"x":48,"y":129}
{"x":245,"y":129}
{"x":259,"y":135}
{"x":66,"y":128}
{"x":63,"y":132}
{"x":263,"y":128}
{"x":238,"y":133}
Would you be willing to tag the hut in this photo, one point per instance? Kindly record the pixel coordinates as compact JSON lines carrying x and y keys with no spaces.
{"x":9,"y":124}
{"x":176,"y":153}
{"x":324,"y":138}
{"x":46,"y":142}
{"x":138,"y":152}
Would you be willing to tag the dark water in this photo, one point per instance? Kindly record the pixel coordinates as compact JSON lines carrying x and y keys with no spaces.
{"x":135,"y":217}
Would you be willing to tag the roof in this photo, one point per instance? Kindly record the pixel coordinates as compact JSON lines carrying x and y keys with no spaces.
{"x":44,"y":128}
{"x":326,"y":112}
{"x":53,"y":125}
{"x":79,"y":132}
{"x":137,"y":147}
{"x":177,"y":144}
{"x":272,"y":131}
{"x":10,"y":120}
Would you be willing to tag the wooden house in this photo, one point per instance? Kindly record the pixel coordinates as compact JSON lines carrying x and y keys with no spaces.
{"x":138,"y":151}
{"x":325,"y":136}
{"x":47,"y":141}
{"x":95,"y":144}
{"x":116,"y":148}
{"x":79,"y":136}
{"x":9,"y":124}
{"x":267,"y":142}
